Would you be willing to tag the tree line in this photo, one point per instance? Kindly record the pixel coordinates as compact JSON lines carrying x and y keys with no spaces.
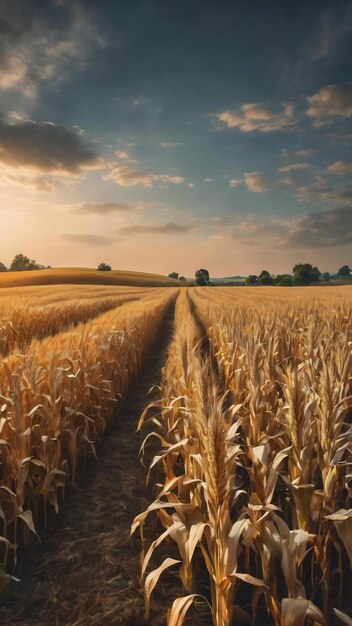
{"x":22,"y":263}
{"x":302,"y":274}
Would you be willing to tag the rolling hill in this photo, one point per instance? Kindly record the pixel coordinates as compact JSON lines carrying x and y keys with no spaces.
{"x":83,"y":276}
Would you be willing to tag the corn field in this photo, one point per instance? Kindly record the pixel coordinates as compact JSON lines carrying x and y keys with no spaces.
{"x":56,"y":398}
{"x":254,"y":458}
{"x":247,"y":449}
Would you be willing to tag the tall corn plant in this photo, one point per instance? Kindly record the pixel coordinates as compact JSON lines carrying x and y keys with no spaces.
{"x":56,"y":399}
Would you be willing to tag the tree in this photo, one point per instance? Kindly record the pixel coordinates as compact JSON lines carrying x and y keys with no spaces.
{"x":343,"y":271}
{"x":284,"y":280}
{"x":202,"y":277}
{"x":173,"y":275}
{"x":305,"y":274}
{"x":252,"y":279}
{"x":265,"y":280}
{"x":263,"y":273}
{"x":3,"y":267}
{"x":22,"y":263}
{"x":181,"y":278}
{"x":325,"y":276}
{"x":104,"y":267}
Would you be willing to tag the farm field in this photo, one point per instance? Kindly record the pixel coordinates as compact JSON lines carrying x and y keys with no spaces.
{"x":233,"y":474}
{"x":83,"y":275}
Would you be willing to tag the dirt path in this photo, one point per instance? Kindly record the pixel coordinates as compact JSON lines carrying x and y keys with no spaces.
{"x":86,"y":572}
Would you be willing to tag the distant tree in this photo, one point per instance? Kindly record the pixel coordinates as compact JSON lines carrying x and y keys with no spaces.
{"x":305,"y":274}
{"x":265,"y":278}
{"x":325,"y":277}
{"x":3,"y":267}
{"x":252,"y":279}
{"x":104,"y":267}
{"x":283,"y":280}
{"x":202,"y":277}
{"x":263,"y":273}
{"x":181,"y":278}
{"x":22,"y":263}
{"x":343,"y":271}
{"x":173,"y":275}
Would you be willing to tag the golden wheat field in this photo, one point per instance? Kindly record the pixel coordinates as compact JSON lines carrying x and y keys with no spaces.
{"x":223,"y":497}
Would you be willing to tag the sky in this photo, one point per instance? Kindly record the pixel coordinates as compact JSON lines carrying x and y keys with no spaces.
{"x":168,"y":135}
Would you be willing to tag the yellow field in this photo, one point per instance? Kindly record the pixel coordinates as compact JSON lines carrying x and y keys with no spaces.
{"x":248,"y":447}
{"x":81,"y":275}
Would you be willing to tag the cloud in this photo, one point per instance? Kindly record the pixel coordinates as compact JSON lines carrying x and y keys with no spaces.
{"x":103,"y":208}
{"x":110,"y":208}
{"x":127,"y":176}
{"x":88,"y":239}
{"x":330,"y":102}
{"x":42,"y":156}
{"x":340,"y":167}
{"x":120,"y":154}
{"x":304,"y":152}
{"x":321,"y":191}
{"x":323,"y":229}
{"x":296,"y":166}
{"x":286,"y":180}
{"x":165,"y":144}
{"x":235,"y":181}
{"x":332,"y":27}
{"x":339,"y":137}
{"x":257,"y":117}
{"x":45,"y":147}
{"x":208,"y":180}
{"x":37,"y":49}
{"x":170,"y":228}
{"x":256,"y":182}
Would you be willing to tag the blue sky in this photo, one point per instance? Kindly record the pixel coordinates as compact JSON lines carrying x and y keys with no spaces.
{"x":165,"y":135}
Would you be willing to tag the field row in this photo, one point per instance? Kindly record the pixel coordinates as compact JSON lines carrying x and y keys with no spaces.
{"x":249,"y":447}
{"x":56,"y":398}
{"x":22,"y":320}
{"x":254,"y":506}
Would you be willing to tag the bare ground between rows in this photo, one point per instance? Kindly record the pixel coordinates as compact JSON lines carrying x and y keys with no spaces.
{"x":86,"y":571}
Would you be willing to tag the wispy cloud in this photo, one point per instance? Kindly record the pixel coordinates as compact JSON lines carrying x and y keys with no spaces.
{"x":170,"y":228}
{"x":33,"y":51}
{"x":286,"y":180}
{"x":340,"y":167}
{"x":251,"y":117}
{"x":323,"y":229}
{"x":235,"y":181}
{"x":88,"y":239}
{"x":322,"y":191}
{"x":103,"y":208}
{"x":333,"y":26}
{"x":121,"y":154}
{"x":127,"y":176}
{"x":174,"y":144}
{"x":295,"y":167}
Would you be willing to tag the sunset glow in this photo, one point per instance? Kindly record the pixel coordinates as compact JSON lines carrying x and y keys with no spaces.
{"x":160,"y":136}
